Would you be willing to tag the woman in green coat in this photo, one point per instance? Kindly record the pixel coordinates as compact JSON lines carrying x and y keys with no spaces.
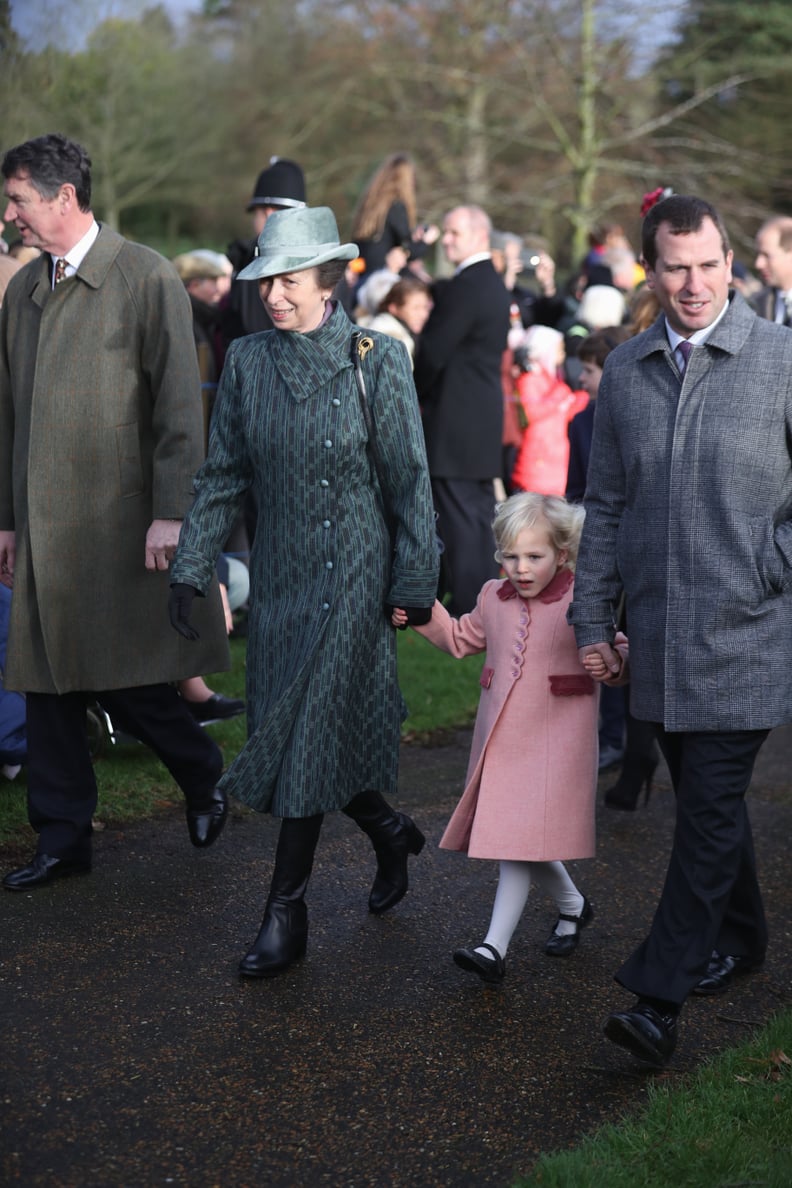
{"x":323,"y":700}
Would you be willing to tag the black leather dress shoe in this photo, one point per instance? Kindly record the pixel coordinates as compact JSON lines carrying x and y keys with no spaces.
{"x":722,"y":971}
{"x":44,"y":869}
{"x":216,"y":708}
{"x":489,"y":969}
{"x":562,"y":946}
{"x":645,"y":1032}
{"x":205,"y":820}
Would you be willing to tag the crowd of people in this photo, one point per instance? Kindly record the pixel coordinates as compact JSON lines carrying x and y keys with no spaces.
{"x":592,"y":487}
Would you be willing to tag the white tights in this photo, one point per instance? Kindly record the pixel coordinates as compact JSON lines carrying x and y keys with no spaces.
{"x":514,"y":884}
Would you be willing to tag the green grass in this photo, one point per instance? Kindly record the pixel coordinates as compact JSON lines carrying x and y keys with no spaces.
{"x":728,"y":1125}
{"x":441,"y":694}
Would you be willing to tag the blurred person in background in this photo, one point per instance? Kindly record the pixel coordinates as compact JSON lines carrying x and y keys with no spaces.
{"x":458,"y":378}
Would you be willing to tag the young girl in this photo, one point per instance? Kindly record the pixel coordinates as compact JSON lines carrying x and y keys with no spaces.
{"x":545,"y":405}
{"x":531,"y":782}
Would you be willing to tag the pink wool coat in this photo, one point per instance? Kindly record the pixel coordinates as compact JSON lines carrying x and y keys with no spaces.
{"x":532,"y":777}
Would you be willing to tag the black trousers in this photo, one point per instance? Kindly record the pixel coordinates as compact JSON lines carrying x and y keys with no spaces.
{"x":711,"y":897}
{"x":465,"y":510}
{"x":62,"y":790}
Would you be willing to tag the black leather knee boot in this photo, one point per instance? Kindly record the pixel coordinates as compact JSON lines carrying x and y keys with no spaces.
{"x":283,"y":934}
{"x":395,"y":836}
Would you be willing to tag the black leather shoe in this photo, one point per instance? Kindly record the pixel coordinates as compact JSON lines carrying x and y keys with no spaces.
{"x":562,"y":946}
{"x":392,"y":846}
{"x":216,"y":708}
{"x":722,"y":971}
{"x":489,"y":969}
{"x":205,"y":820}
{"x":282,"y":940}
{"x":645,"y":1032}
{"x":44,"y":869}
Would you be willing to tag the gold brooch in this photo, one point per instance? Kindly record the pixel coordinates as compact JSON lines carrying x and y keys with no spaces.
{"x":364,"y":346}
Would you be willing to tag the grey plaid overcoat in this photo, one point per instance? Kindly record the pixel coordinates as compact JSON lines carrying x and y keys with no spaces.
{"x":100,"y":433}
{"x":688,"y":508}
{"x":324,"y":707}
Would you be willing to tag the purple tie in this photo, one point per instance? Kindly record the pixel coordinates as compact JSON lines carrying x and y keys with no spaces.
{"x":684,"y":349}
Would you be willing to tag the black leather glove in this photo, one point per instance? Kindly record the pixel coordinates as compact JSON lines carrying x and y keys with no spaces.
{"x":180,"y":603}
{"x":417,"y":616}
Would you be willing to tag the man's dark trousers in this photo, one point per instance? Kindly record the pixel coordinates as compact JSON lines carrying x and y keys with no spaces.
{"x":711,"y":898}
{"x":62,"y":790}
{"x":465,"y":511}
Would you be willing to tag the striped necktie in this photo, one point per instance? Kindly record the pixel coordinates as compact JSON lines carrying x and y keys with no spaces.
{"x":60,"y":270}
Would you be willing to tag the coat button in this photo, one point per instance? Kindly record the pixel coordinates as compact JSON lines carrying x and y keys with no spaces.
{"x":328,"y":564}
{"x":325,"y":606}
{"x":325,"y":523}
{"x":323,"y":483}
{"x":336,"y":402}
{"x":328,"y":445}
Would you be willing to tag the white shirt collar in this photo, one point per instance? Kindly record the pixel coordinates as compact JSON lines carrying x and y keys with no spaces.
{"x":781,"y":299}
{"x":476,"y":259}
{"x":75,"y":255}
{"x":699,"y":336}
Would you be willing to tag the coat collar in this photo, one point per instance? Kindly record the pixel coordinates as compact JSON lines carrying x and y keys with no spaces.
{"x":93,"y":268}
{"x":308,"y":361}
{"x":554,"y":591}
{"x":729,"y":335}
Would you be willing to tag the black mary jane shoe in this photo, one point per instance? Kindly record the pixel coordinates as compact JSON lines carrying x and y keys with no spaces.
{"x":205,"y":819}
{"x":645,"y":1032}
{"x":490,"y":969}
{"x":562,"y":946}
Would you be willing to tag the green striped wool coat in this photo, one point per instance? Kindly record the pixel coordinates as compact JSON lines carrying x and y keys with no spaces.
{"x":324,"y":707}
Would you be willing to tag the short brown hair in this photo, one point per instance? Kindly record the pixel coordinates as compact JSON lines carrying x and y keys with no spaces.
{"x":684,"y":215}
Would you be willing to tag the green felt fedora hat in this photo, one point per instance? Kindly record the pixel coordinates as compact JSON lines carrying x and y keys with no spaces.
{"x":293,"y":240}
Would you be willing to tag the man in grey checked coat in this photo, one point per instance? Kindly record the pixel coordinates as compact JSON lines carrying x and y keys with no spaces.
{"x":688,"y":509}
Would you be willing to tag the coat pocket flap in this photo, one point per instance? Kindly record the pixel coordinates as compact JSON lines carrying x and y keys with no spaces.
{"x":571,"y":685}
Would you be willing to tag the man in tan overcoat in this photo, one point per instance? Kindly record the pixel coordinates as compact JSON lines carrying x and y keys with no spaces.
{"x":100,"y":436}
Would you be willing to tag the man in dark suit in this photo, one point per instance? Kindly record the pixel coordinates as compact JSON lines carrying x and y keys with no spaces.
{"x":457,"y":375}
{"x":688,"y":504}
{"x":774,"y":265}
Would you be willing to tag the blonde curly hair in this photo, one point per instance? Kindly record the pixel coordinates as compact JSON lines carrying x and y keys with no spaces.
{"x":521,"y":511}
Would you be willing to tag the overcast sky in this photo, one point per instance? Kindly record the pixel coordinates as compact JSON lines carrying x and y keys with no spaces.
{"x":41,"y":21}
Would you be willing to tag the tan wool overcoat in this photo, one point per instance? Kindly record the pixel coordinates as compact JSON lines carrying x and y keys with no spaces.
{"x":100,"y":433}
{"x":532,"y":777}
